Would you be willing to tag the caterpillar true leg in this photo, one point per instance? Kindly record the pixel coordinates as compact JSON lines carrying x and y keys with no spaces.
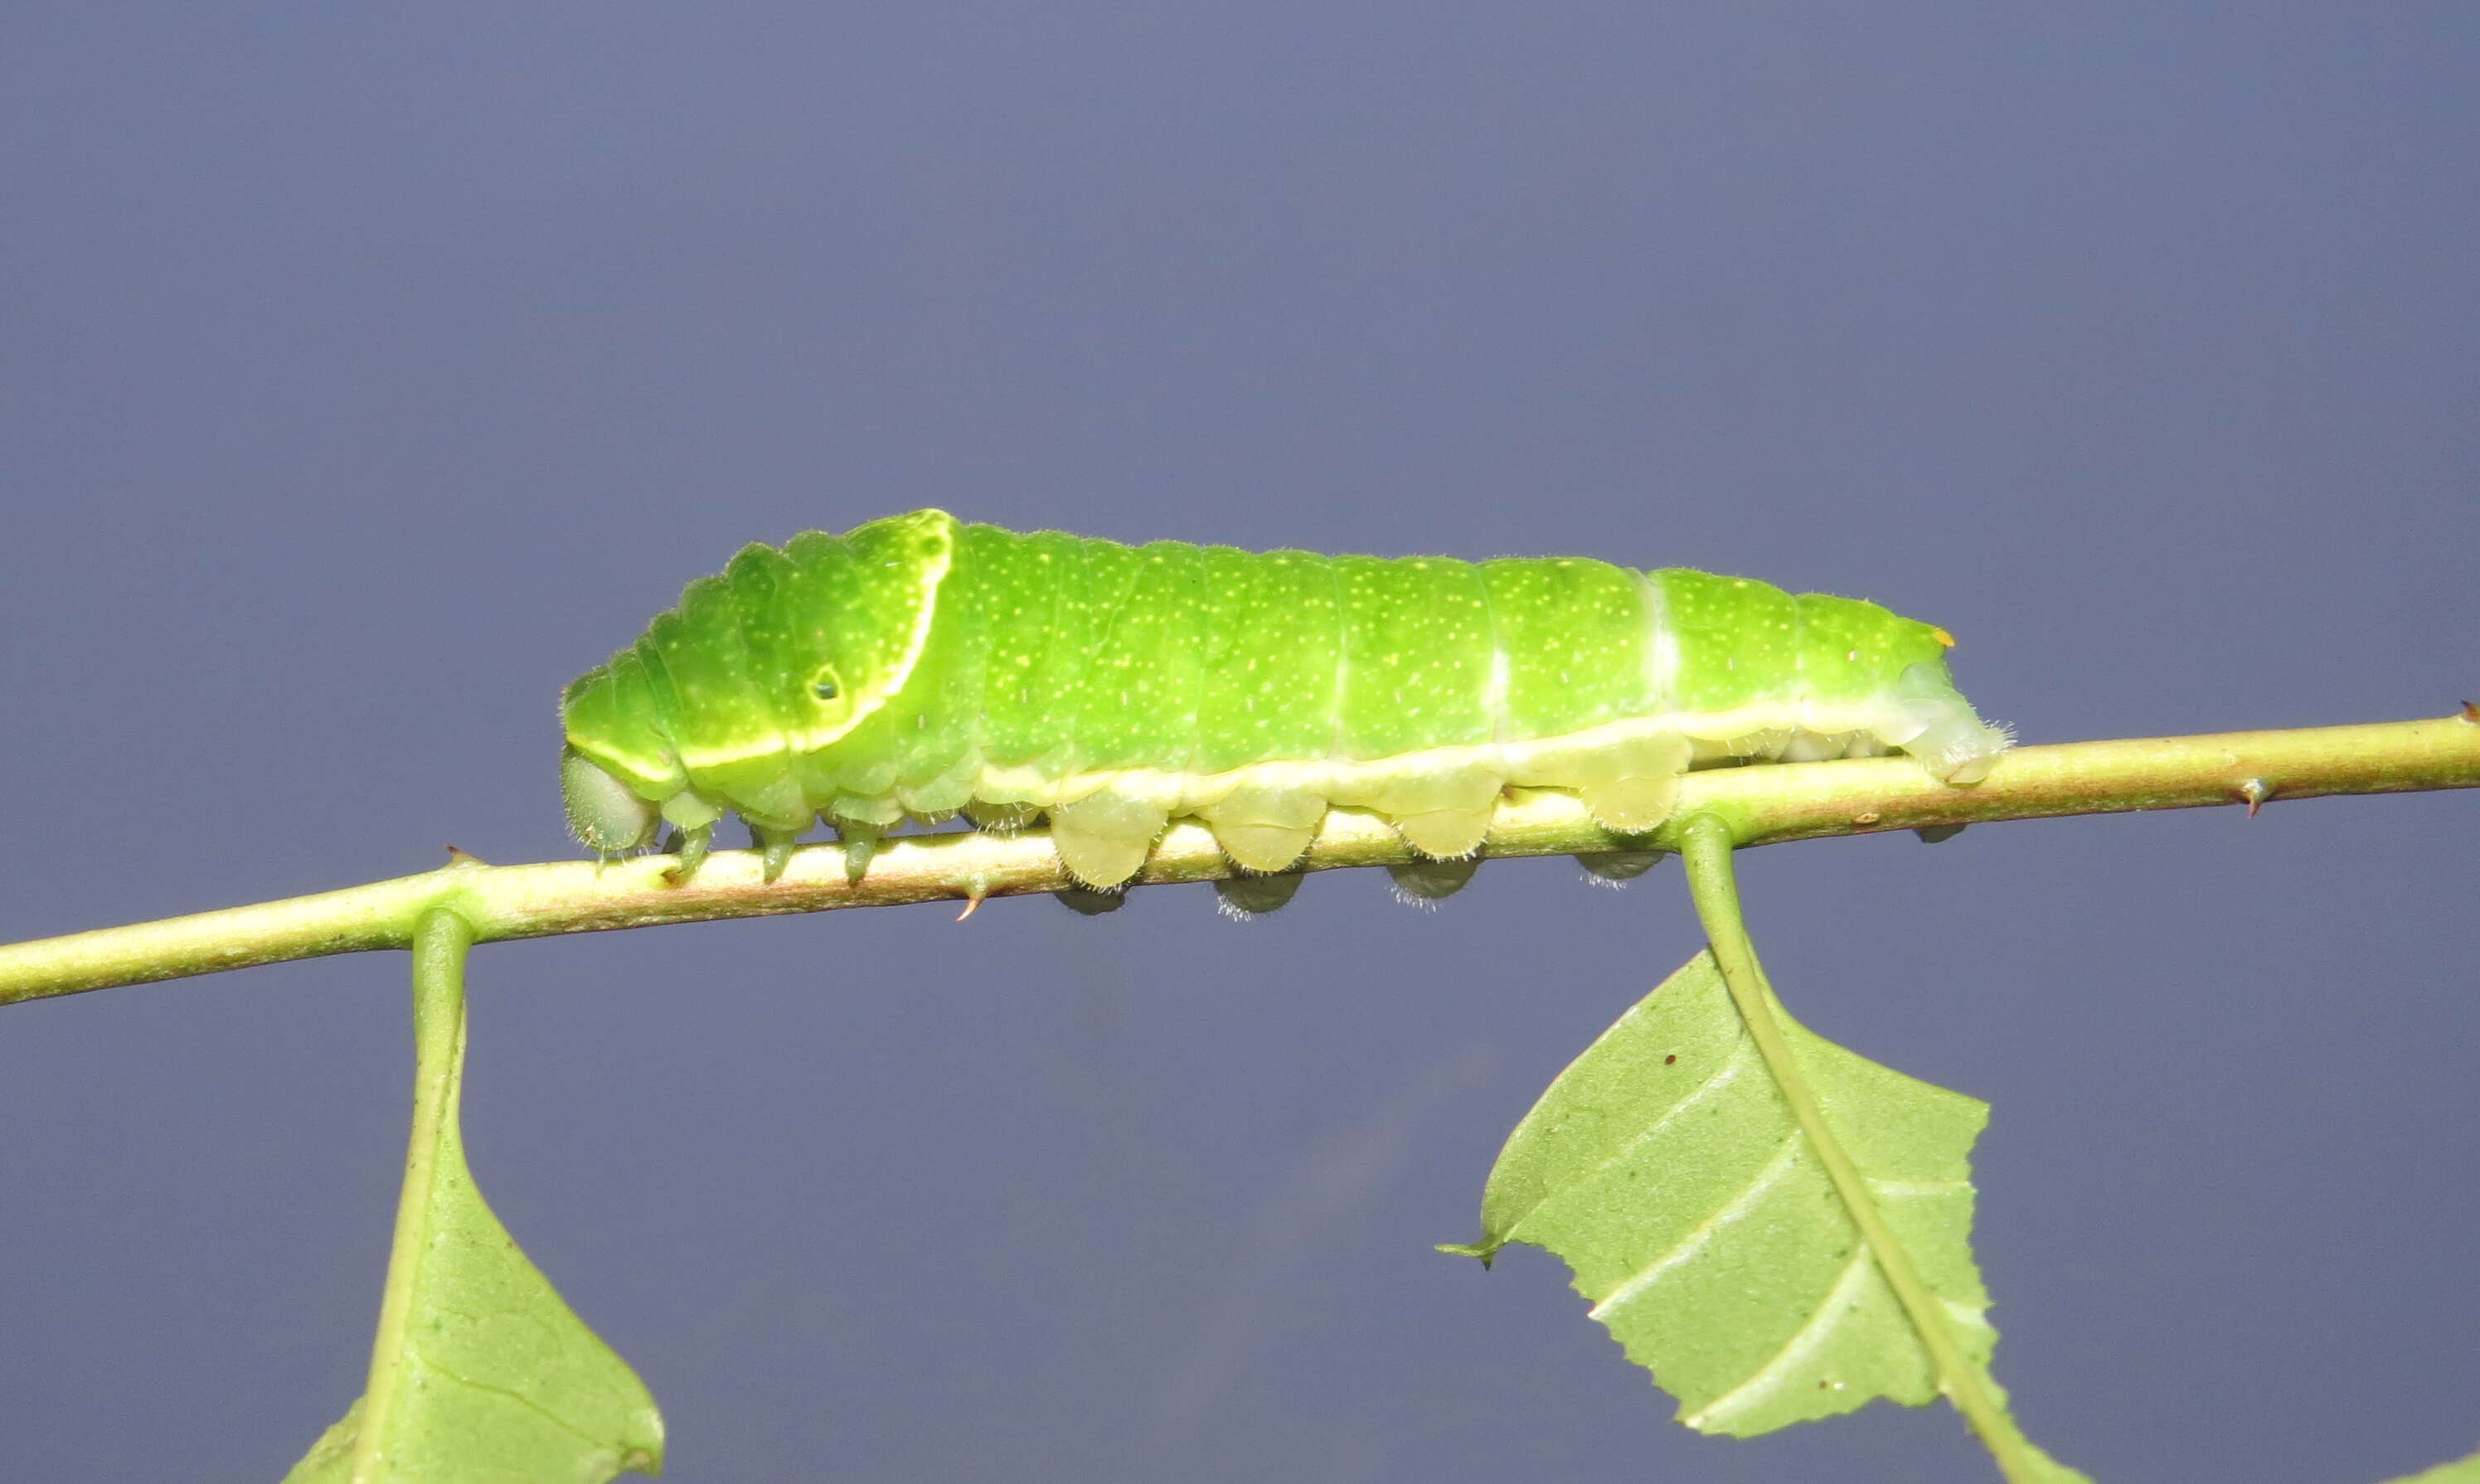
{"x":690,"y":845}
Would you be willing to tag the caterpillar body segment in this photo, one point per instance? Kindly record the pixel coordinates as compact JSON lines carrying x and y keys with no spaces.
{"x":918,"y":666}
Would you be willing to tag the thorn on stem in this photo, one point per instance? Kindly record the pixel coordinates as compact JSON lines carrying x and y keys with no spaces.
{"x":2471,"y":713}
{"x":2255,"y":791}
{"x":459,"y":858}
{"x":972,"y":904}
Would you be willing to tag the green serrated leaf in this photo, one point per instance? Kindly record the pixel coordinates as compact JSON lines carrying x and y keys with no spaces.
{"x":2461,"y":1470}
{"x":481,"y":1372}
{"x":1665,"y":1169}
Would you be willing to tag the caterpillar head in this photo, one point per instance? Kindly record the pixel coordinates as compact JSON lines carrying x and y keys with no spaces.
{"x":602,"y":812}
{"x":617,"y":766}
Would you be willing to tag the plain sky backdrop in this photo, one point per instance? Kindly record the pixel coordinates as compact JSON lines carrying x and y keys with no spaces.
{"x":365,"y":371}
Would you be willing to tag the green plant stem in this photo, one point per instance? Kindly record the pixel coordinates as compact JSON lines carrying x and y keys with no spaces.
{"x":1715,"y":888}
{"x":1760,"y":805}
{"x":441,"y":938}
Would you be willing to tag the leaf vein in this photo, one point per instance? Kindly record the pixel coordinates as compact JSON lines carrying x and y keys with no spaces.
{"x":1741,"y":1058}
{"x":1900,"y":1189}
{"x":1838,"y":1302}
{"x":1776,"y":1166}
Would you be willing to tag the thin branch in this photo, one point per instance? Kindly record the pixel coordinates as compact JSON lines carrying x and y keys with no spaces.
{"x":1762,"y":805}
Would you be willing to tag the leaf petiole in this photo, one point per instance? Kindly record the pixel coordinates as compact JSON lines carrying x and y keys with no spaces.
{"x":1706,"y":848}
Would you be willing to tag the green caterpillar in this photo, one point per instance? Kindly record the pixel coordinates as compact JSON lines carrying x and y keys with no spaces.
{"x":917,"y":666}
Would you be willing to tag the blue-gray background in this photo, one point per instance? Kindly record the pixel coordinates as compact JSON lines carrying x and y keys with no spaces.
{"x":370,"y":371}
